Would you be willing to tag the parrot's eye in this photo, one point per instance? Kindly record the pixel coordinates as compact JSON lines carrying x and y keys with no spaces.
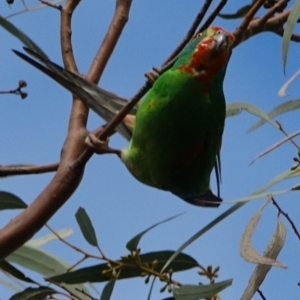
{"x":198,"y":35}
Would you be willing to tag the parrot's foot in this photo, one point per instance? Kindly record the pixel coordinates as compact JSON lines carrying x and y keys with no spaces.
{"x":152,"y":75}
{"x":99,"y":146}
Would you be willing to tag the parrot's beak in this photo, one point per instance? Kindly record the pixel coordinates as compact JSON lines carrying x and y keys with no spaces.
{"x":221,"y":40}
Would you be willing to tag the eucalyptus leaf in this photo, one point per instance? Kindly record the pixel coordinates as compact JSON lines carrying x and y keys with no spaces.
{"x":86,"y":226}
{"x":288,"y":31}
{"x":195,"y":292}
{"x":10,"y":201}
{"x":133,"y":243}
{"x":95,"y":273}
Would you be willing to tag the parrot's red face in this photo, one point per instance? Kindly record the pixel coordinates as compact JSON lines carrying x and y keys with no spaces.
{"x":210,"y":55}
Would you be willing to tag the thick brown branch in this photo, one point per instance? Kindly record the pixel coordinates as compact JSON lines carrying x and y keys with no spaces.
{"x":68,"y":177}
{"x":110,"y":40}
{"x":64,"y":183}
{"x":27,"y":170}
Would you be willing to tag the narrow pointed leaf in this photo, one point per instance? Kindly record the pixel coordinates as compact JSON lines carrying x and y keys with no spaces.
{"x":94,"y":273}
{"x":232,"y":110}
{"x":10,"y":201}
{"x":44,"y":263}
{"x":283,"y":90}
{"x":278,"y":110}
{"x":238,"y":14}
{"x":107,"y":290}
{"x":37,"y":243}
{"x":34,"y":293}
{"x":272,"y":251}
{"x":133,"y":243}
{"x":9,"y":285}
{"x":251,"y":109}
{"x":12,"y":29}
{"x":7,"y":267}
{"x":195,"y":292}
{"x":276,"y":145}
{"x":249,"y":253}
{"x":206,"y":228}
{"x":86,"y":226}
{"x":288,"y":31}
{"x":275,"y":180}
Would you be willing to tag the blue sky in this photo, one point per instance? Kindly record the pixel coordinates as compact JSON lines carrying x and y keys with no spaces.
{"x":32,"y":131}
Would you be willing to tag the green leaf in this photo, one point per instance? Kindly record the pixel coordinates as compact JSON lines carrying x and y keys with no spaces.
{"x":34,"y":293}
{"x":133,"y":243}
{"x":107,"y":290}
{"x":86,"y":226}
{"x":232,"y":110}
{"x":278,"y":110}
{"x":10,"y":201}
{"x":94,"y":273}
{"x":9,"y":285}
{"x":195,"y":292}
{"x":238,"y":14}
{"x":199,"y":233}
{"x":22,"y":37}
{"x":288,"y":31}
{"x":237,"y":107}
{"x":7,"y":267}
{"x":44,"y":263}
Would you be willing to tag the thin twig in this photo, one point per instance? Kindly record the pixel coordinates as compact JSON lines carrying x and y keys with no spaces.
{"x":287,"y":217}
{"x":190,"y":32}
{"x":239,"y":32}
{"x":27,"y":170}
{"x":213,"y":15}
{"x":73,"y":246}
{"x":288,"y":138}
{"x":84,"y":293}
{"x":261,"y":294}
{"x":70,"y":295}
{"x":111,"y":38}
{"x":53,"y":5}
{"x":287,"y":135}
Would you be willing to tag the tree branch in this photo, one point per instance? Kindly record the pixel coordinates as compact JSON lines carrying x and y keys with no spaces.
{"x":27,"y":170}
{"x":67,"y":179}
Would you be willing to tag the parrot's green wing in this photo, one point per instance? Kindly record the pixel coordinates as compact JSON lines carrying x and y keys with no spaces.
{"x":104,"y":103}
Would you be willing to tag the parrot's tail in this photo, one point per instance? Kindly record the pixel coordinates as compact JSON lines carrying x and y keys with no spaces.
{"x":208,"y":199}
{"x":104,"y":103}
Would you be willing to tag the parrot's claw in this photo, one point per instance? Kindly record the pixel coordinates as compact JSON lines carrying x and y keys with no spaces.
{"x":152,"y":75}
{"x":100,"y":146}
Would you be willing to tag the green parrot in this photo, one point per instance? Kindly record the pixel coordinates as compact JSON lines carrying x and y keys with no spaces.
{"x":175,"y":132}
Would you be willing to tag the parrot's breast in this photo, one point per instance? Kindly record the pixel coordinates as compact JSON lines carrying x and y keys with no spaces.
{"x":177,"y":134}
